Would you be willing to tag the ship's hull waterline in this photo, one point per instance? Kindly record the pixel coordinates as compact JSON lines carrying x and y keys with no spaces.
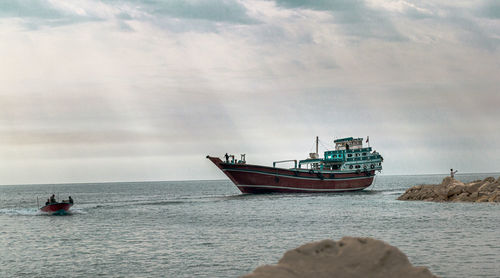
{"x":262,"y":179}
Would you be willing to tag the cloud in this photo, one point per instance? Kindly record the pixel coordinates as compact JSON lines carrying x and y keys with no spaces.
{"x":28,"y":9}
{"x":489,"y":9}
{"x":162,"y":82}
{"x":355,"y":18}
{"x":210,"y":10}
{"x":37,"y":13}
{"x":467,"y":23}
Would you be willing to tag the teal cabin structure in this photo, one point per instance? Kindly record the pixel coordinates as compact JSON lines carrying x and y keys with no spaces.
{"x":349,"y":155}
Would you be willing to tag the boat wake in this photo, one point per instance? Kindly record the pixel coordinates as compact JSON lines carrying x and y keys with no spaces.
{"x":152,"y":202}
{"x":21,"y":211}
{"x":36,"y":212}
{"x":77,"y":211}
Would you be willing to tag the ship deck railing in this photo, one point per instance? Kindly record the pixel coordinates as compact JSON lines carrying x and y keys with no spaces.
{"x":283,"y":161}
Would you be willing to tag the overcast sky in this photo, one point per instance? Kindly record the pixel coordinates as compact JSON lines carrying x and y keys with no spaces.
{"x":131,"y":90}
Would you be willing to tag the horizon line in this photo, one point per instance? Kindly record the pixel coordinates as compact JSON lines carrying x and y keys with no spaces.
{"x":226,"y":179}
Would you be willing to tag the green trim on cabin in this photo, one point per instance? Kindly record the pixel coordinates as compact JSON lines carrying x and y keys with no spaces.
{"x":343,"y":140}
{"x":310,"y":160}
{"x":347,"y":139}
{"x":369,"y":149}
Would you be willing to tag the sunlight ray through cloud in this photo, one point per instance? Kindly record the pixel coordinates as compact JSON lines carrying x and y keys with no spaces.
{"x":176,"y":80}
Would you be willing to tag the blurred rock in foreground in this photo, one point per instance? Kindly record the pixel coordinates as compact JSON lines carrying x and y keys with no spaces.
{"x":452,"y":190}
{"x":349,"y":257}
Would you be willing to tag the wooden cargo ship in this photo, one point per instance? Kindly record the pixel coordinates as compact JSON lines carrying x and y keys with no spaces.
{"x":349,"y":167}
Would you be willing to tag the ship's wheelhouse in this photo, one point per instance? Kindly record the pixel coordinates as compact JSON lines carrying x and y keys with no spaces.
{"x":349,"y":154}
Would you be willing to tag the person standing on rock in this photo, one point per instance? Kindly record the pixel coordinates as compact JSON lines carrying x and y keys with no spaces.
{"x":452,"y":173}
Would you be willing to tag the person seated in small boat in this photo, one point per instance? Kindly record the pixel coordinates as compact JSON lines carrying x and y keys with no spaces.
{"x":53,"y":199}
{"x":48,"y":202}
{"x":70,"y":200}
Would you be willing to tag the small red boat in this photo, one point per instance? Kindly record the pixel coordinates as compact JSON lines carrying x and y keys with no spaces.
{"x":57,"y":208}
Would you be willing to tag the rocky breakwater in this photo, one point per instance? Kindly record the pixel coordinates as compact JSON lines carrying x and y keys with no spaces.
{"x":348,"y":257}
{"x":452,"y":190}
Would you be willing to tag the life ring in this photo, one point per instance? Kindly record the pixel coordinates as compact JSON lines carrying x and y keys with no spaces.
{"x":372,"y":166}
{"x":350,"y":166}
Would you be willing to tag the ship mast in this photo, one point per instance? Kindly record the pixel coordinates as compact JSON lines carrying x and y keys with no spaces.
{"x":317,"y":139}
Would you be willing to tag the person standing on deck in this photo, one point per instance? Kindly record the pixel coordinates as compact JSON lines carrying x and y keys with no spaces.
{"x":452,"y":173}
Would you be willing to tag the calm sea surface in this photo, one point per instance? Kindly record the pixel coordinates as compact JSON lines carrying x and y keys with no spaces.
{"x":209,"y":229}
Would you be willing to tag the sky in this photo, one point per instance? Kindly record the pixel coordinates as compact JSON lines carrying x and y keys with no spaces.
{"x":131,"y":90}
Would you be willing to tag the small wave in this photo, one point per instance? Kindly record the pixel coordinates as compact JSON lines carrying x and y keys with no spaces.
{"x":35,"y":212}
{"x":161,"y":203}
{"x":393,"y":192}
{"x":21,"y":211}
{"x":84,"y":208}
{"x":77,"y":211}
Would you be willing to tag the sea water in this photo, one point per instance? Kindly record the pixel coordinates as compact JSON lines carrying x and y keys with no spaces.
{"x":209,"y":229}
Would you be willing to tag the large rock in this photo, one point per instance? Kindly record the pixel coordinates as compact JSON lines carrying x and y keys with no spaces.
{"x":473,"y":186}
{"x":488,"y":187}
{"x":489,"y":179}
{"x":495,"y":197}
{"x":450,"y":189}
{"x":349,"y":257}
{"x":464,"y":197}
{"x":455,"y":189}
{"x":421,"y":192}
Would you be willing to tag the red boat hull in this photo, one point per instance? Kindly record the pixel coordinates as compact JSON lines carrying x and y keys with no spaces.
{"x":262,"y":179}
{"x":57,"y":208}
